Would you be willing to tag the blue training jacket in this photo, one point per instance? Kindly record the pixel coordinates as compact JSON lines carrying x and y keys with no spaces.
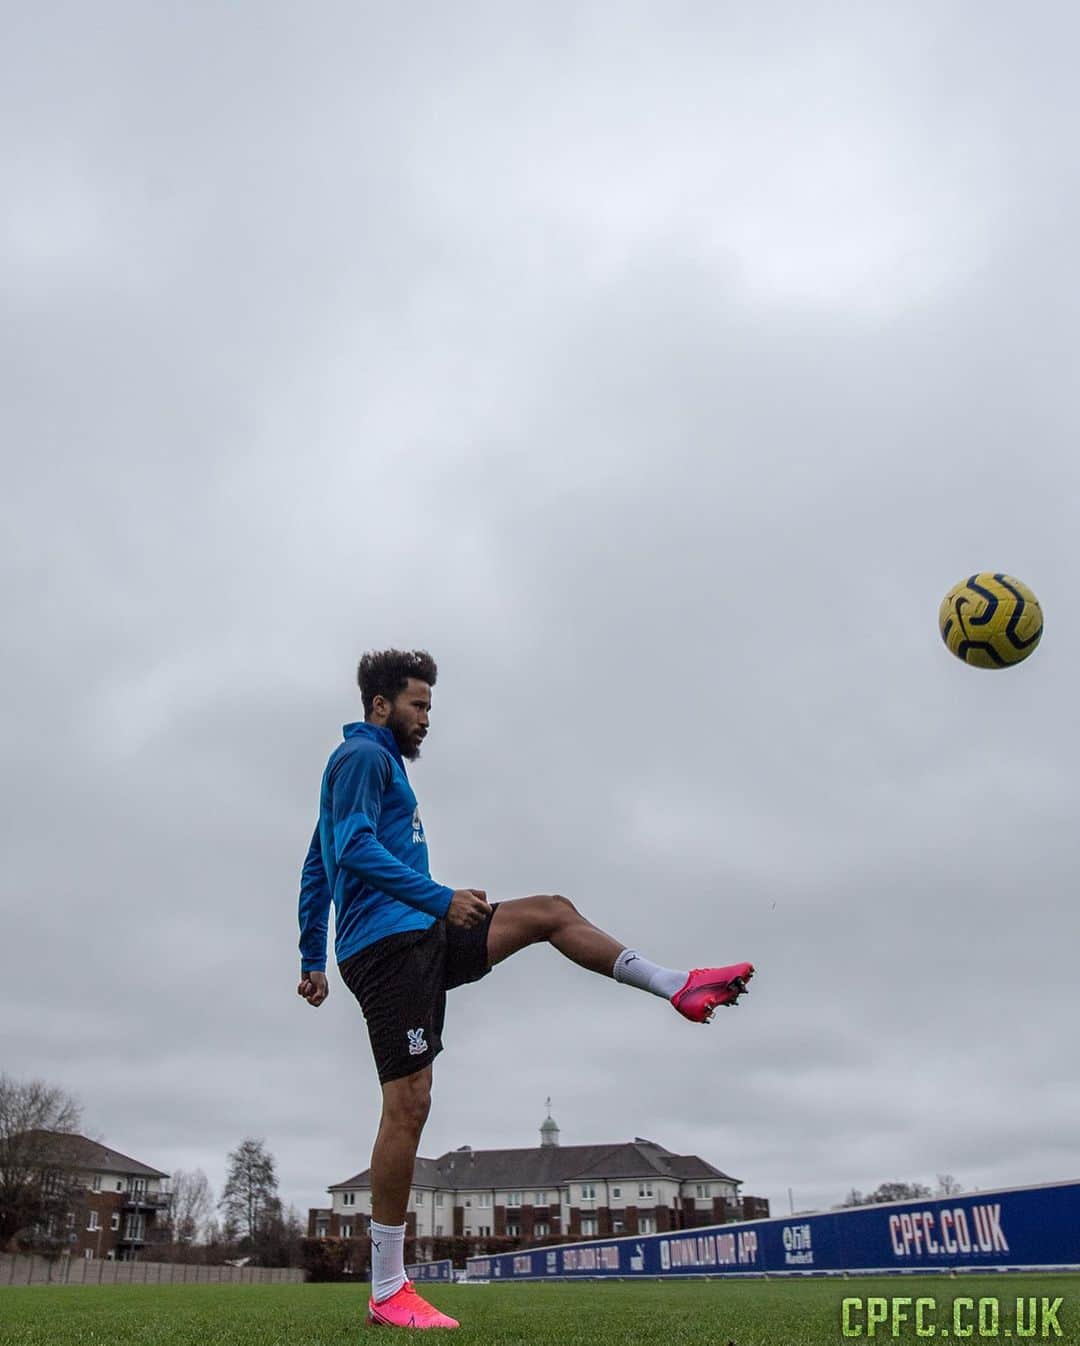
{"x":368,"y":853}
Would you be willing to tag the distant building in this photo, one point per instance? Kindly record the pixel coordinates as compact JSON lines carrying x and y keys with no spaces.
{"x":547,"y":1192}
{"x":122,"y":1205}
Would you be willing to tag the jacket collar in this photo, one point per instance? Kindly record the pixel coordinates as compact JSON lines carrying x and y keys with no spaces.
{"x":378,"y":733}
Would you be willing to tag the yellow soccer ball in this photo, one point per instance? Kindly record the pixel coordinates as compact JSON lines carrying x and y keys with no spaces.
{"x":990,"y":621}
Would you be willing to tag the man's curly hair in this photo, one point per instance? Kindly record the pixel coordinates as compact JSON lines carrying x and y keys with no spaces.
{"x":387,"y":673}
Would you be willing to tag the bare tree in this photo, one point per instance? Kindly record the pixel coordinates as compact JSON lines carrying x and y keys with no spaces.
{"x":947,"y":1185}
{"x":38,"y":1161}
{"x":281,"y":1237}
{"x":249,"y":1198}
{"x":854,"y":1198}
{"x":192,"y":1202}
{"x":215,"y":1245}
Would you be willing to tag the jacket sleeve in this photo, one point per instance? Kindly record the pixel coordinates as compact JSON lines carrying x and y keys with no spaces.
{"x":357,"y":792}
{"x":314,"y":909}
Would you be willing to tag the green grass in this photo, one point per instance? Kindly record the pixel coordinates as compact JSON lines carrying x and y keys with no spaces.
{"x":694,"y":1313}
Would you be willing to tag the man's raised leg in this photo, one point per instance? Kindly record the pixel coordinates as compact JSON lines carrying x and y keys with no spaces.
{"x":555,"y":920}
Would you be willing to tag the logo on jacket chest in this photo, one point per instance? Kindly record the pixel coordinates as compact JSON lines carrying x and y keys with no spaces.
{"x":417,"y":828}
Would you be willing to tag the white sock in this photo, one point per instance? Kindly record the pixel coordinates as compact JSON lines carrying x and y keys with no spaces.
{"x":631,"y":968}
{"x":387,"y":1260}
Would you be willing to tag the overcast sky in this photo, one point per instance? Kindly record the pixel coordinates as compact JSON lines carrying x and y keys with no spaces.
{"x":657,"y":367}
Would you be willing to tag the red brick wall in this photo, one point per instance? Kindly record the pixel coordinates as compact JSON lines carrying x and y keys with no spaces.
{"x":105,"y":1240}
{"x":317,"y":1213}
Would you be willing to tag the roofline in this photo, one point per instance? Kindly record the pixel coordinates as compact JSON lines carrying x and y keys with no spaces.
{"x":355,"y":1186}
{"x":576,"y":1176}
{"x":140,"y":1170}
{"x":469,"y":1156}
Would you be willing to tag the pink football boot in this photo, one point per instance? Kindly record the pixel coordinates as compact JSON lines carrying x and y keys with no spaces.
{"x":708,"y":987}
{"x":407,"y":1309}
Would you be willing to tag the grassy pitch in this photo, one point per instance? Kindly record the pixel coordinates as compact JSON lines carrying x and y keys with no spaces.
{"x":694,"y":1313}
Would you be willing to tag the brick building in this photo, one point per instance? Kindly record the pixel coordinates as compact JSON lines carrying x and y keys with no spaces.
{"x":121,"y":1205}
{"x":547,"y":1192}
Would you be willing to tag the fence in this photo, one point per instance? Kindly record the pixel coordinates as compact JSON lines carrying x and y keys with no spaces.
{"x":26,"y":1270}
{"x":1024,"y":1228}
{"x":431,"y":1271}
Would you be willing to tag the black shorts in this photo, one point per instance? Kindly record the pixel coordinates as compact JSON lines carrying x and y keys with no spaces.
{"x":401,"y":983}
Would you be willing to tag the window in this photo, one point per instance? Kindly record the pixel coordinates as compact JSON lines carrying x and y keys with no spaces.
{"x":484,"y":1201}
{"x":616,"y":1193}
{"x":96,"y":1184}
{"x":346,"y":1231}
{"x":92,"y":1223}
{"x":540,"y":1198}
{"x":704,"y":1190}
{"x":438,"y":1231}
{"x":348,"y":1199}
{"x":468,"y":1203}
{"x":119,"y":1186}
{"x":114,"y":1222}
{"x":484,"y":1230}
{"x":71,"y":1219}
{"x":89,"y":1254}
{"x":644,"y":1189}
{"x":541,"y":1230}
{"x":588,"y":1224}
{"x":645,"y":1224}
{"x":513,"y":1199}
{"x":438,"y":1199}
{"x":617,"y":1226}
{"x":513,"y":1231}
{"x":321,"y":1230}
{"x":588,"y":1191}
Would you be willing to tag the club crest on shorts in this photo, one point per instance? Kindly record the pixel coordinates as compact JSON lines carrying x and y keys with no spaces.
{"x":417,"y":1045}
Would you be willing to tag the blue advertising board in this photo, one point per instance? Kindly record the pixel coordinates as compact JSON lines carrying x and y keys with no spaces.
{"x":1014,"y":1228}
{"x":431,"y":1271}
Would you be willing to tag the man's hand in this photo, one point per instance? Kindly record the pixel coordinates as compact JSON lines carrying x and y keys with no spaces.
{"x":468,"y":907}
{"x":313,"y":987}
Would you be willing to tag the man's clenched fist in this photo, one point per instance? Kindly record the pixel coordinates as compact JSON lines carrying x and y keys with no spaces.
{"x":313,"y":987}
{"x":468,"y":907}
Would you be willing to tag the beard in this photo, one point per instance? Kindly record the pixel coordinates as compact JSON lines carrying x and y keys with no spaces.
{"x":408,"y":743}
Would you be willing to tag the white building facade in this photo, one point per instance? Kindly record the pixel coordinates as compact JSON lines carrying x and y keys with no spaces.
{"x":549,"y":1191}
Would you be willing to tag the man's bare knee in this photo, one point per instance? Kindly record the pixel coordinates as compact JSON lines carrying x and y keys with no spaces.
{"x":562,"y":909}
{"x":407,"y":1102}
{"x":407,"y":1115}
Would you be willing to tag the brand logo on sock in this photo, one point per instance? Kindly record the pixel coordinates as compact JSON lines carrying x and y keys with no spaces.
{"x":417,"y":1045}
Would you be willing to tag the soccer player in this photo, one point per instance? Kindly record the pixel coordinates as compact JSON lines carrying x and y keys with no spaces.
{"x":402,"y":941}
